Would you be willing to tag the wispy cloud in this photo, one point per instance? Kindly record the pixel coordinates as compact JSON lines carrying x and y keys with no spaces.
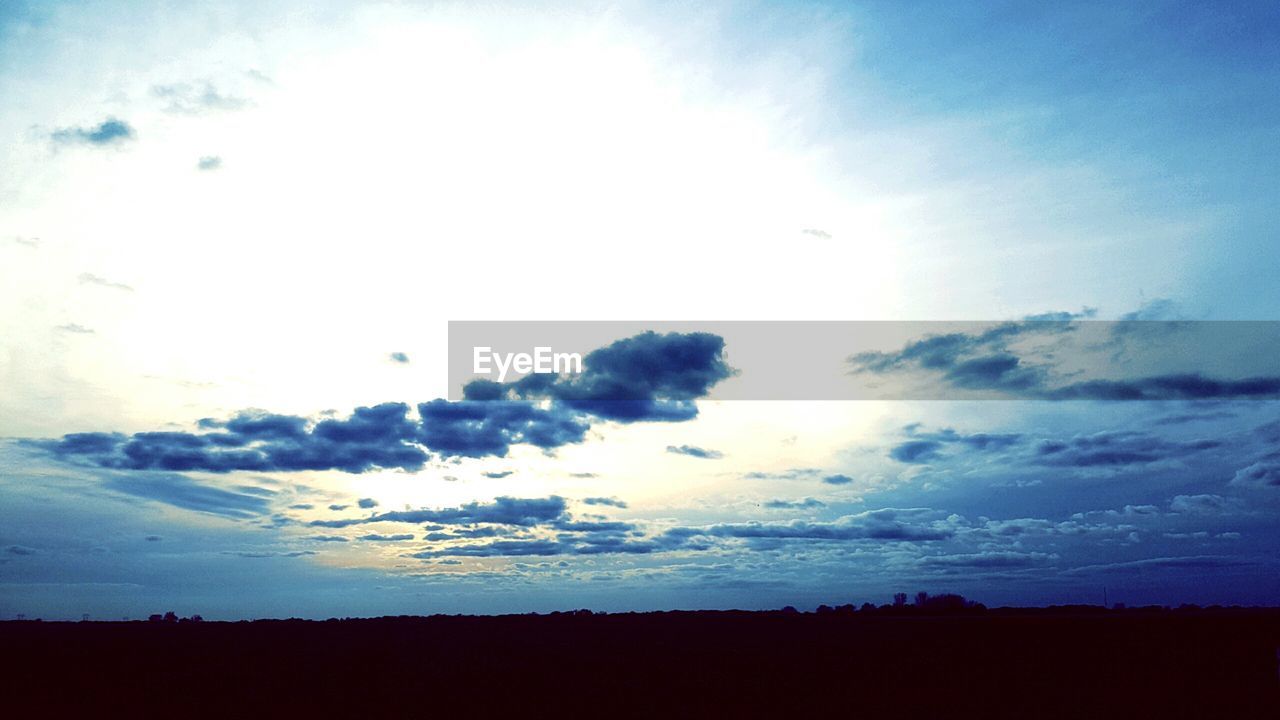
{"x":696,"y":452}
{"x":91,"y":279}
{"x":196,"y":98}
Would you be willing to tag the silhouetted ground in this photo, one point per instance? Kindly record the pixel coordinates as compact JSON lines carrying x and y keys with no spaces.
{"x":1046,"y":663}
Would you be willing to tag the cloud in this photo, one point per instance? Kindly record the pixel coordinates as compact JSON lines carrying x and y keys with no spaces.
{"x":1191,"y":562}
{"x":74,"y":328}
{"x":916,"y":451}
{"x":386,"y":538}
{"x":815,"y":232}
{"x":885,"y":524}
{"x":26,"y":242}
{"x":562,"y":545}
{"x":498,"y":548}
{"x":648,"y":377}
{"x":111,"y":131}
{"x":367,"y":503}
{"x":472,"y":428}
{"x":984,"y":361}
{"x":373,"y":437}
{"x":806,"y":503}
{"x":209,"y":163}
{"x":792,"y":474}
{"x":502,"y":511}
{"x":613,"y":502}
{"x":697,"y":452}
{"x":196,"y":98}
{"x":399,"y":357}
{"x":837,"y":479}
{"x":1263,"y":474}
{"x":1115,"y":448}
{"x":926,"y":446}
{"x":498,"y":475}
{"x":19,"y":550}
{"x":1198,"y":504}
{"x":338,"y":508}
{"x":182,"y":492}
{"x":989,"y":560}
{"x":326,"y":538}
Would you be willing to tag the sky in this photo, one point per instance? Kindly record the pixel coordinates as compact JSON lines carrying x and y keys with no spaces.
{"x":232,"y":236}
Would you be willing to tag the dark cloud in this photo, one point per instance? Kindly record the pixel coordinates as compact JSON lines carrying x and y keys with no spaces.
{"x":984,"y":361}
{"x":256,"y":554}
{"x":108,"y":132}
{"x":926,"y":446}
{"x":386,"y":538}
{"x":916,"y":451}
{"x":498,"y":548}
{"x":373,"y":437}
{"x":367,"y":503}
{"x":180,"y":491}
{"x":562,"y":545}
{"x":399,"y":357}
{"x":697,"y":452}
{"x":91,"y":279}
{"x":327,"y":538}
{"x":473,"y":428}
{"x":302,"y":506}
{"x":648,"y":377}
{"x":614,"y":502}
{"x":837,"y":479}
{"x":1115,"y":448}
{"x":498,"y":475}
{"x":645,"y":378}
{"x":19,"y":550}
{"x":1185,"y":386}
{"x":1190,"y":562}
{"x":338,"y":508}
{"x":502,"y":511}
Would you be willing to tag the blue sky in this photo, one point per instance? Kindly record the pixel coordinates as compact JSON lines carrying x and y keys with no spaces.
{"x":231,"y":237}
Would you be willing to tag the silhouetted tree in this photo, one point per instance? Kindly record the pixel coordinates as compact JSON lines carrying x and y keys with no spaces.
{"x":899,"y":599}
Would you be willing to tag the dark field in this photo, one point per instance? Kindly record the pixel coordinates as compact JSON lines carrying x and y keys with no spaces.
{"x":1062,"y":663}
